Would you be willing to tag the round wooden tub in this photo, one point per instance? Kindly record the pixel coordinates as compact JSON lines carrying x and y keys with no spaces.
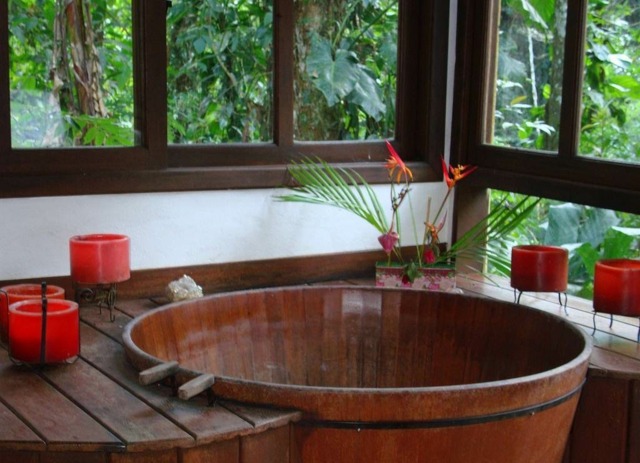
{"x":382,"y":374}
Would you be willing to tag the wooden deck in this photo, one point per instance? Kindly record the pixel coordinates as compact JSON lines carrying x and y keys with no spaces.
{"x":95,"y":410}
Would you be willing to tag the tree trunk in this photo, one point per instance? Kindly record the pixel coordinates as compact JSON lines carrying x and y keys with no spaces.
{"x":76,"y":70}
{"x":556,"y":75}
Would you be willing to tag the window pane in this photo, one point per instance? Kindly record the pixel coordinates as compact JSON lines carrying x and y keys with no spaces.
{"x":527,"y":84}
{"x":611,"y":90}
{"x":71,"y":75}
{"x":220,"y":71}
{"x":345,"y":69}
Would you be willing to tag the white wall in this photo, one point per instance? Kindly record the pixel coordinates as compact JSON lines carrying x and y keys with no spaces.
{"x":192,"y":228}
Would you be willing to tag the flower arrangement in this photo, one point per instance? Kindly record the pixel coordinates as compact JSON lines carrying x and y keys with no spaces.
{"x":317,"y":182}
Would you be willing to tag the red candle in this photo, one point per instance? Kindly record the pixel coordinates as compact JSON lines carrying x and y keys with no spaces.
{"x":22,"y":292}
{"x":539,"y":268}
{"x":99,"y":258}
{"x":616,"y":287}
{"x":62,"y":335}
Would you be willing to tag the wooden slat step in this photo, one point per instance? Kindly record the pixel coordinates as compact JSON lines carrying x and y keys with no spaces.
{"x":60,"y":423}
{"x":16,"y":435}
{"x":207,"y":424}
{"x":134,"y":421}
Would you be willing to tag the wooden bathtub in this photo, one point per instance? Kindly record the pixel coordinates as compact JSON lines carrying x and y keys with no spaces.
{"x":382,"y":374}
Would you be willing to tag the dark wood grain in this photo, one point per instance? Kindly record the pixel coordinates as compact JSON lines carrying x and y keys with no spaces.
{"x":117,"y":409}
{"x":205,"y":423}
{"x":56,"y":419}
{"x":16,"y":434}
{"x":227,"y":451}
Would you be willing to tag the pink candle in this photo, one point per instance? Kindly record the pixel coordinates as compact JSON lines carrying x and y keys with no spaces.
{"x":616,"y":287}
{"x":62,"y":335}
{"x":539,"y":268}
{"x":99,"y":258}
{"x":22,"y":292}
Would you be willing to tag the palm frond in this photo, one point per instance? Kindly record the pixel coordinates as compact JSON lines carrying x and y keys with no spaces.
{"x":317,"y":182}
{"x":500,"y":221}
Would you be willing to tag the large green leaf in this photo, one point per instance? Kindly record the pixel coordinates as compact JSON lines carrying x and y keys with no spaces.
{"x":366,"y":94}
{"x":539,"y":12}
{"x":619,"y":242}
{"x":564,"y":223}
{"x":335,"y":76}
{"x":589,"y":256}
{"x":595,"y":225}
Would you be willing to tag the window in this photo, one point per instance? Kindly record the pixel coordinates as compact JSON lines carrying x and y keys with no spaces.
{"x":551,"y":98}
{"x":70,"y":74}
{"x":168,"y":128}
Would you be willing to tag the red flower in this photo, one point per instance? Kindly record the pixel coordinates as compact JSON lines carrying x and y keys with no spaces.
{"x":395,"y":162}
{"x":429,"y":257}
{"x":388,"y":241}
{"x":454,"y":174}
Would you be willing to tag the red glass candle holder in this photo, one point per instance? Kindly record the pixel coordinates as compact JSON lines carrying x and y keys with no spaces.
{"x":22,"y":292}
{"x":616,"y":287}
{"x":539,"y":268}
{"x":61,"y":331}
{"x":99,"y":258}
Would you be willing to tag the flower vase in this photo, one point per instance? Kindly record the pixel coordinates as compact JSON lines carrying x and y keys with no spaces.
{"x":436,"y":278}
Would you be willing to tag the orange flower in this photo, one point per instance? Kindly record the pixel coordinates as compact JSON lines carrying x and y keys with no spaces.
{"x":454,"y":174}
{"x":395,"y":162}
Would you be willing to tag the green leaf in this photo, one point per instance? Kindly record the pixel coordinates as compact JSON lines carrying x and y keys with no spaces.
{"x":334,"y":77}
{"x":595,"y":225}
{"x":619,"y":242}
{"x":320,"y":183}
{"x":589,"y":256}
{"x":366,"y":94}
{"x":564,"y":223}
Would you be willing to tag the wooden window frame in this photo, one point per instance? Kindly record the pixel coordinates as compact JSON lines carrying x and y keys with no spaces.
{"x":563,"y":176}
{"x":155,"y":166}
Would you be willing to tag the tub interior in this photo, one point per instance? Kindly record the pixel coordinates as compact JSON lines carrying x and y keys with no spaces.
{"x":357,"y":337}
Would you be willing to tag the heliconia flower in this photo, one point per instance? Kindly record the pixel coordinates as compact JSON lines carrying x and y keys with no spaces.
{"x":394,"y":161}
{"x":453,"y":175}
{"x":434,"y":230}
{"x":388,"y":241}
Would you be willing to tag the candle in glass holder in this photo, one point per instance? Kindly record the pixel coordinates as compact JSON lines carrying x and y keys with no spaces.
{"x":62,"y":335}
{"x":616,"y":287}
{"x":22,"y":292}
{"x":99,"y":258}
{"x":539,"y":268}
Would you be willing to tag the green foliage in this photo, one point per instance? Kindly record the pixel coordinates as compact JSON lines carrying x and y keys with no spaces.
{"x":220,"y":71}
{"x":343,"y":78}
{"x":346,"y":54}
{"x":40,"y":116}
{"x":319,"y":183}
{"x":589,"y":234}
{"x":530,"y":78}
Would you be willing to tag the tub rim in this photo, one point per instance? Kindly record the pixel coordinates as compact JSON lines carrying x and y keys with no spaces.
{"x":571,"y":375}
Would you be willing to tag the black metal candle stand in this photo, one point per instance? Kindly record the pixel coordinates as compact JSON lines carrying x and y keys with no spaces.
{"x":100,"y":294}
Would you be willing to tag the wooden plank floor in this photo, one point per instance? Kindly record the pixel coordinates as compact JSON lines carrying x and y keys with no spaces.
{"x":97,"y":407}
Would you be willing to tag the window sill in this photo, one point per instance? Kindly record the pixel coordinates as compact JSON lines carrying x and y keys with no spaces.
{"x":177,"y":179}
